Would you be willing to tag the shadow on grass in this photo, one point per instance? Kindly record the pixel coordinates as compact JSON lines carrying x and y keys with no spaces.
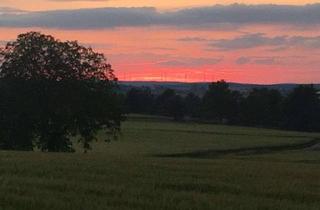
{"x":228,"y":134}
{"x":244,"y":151}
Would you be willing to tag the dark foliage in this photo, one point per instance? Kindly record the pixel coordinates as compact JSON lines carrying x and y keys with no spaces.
{"x":262,"y":107}
{"x":192,"y":105}
{"x":220,"y":103}
{"x":302,"y":109}
{"x":259,"y":107}
{"x":139,"y":100}
{"x":170,"y":104}
{"x":51,"y":91}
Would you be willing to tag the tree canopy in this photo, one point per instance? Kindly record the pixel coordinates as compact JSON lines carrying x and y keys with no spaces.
{"x":220,"y":103}
{"x":262,"y":107}
{"x":52,"y":91}
{"x":37,"y":56}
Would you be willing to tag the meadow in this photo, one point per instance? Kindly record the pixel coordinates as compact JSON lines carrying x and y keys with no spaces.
{"x":158,"y":164}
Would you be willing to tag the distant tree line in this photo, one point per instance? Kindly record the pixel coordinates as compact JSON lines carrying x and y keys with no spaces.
{"x":298,"y":110}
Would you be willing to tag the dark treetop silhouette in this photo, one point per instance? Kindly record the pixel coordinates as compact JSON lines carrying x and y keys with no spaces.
{"x":51,"y":91}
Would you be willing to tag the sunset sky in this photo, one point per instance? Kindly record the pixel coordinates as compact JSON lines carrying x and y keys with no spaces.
{"x":249,"y":41}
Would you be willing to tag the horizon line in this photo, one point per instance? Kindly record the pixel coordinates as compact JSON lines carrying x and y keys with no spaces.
{"x":198,"y":82}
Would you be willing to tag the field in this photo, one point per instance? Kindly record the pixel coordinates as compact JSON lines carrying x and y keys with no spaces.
{"x":157,"y":164}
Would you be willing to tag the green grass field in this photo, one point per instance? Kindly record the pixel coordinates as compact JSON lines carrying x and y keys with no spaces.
{"x":130,"y":174}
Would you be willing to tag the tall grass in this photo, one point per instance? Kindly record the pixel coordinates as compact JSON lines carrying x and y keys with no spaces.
{"x":126,"y":175}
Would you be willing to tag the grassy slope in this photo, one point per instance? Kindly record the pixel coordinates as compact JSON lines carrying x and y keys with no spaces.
{"x":125,"y":175}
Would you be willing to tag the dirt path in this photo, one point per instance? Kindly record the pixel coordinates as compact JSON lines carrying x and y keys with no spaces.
{"x":313,"y":144}
{"x":227,"y":133}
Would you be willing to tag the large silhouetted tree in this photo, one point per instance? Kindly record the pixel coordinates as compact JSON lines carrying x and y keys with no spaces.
{"x":52,"y":90}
